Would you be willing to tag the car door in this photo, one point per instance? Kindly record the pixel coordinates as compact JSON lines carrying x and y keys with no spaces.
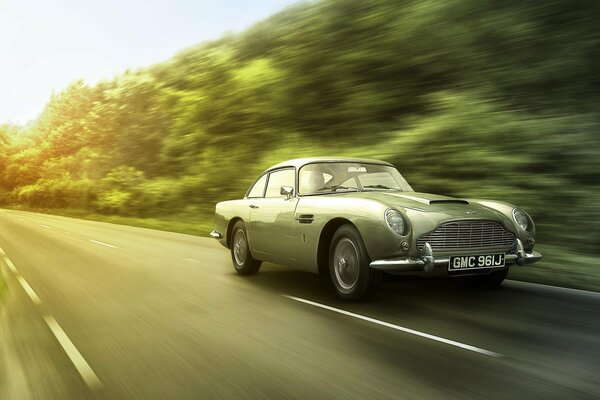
{"x":272,"y":217}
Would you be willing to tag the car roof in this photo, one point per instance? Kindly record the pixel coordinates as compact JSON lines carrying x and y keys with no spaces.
{"x":300,"y":162}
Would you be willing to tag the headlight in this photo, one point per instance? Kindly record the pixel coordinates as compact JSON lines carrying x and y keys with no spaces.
{"x":395,"y":221}
{"x":523,"y":220}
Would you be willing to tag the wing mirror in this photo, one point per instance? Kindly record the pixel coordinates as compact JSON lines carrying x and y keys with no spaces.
{"x":286,"y":191}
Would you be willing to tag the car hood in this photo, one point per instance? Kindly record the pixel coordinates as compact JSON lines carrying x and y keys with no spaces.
{"x":443,"y":207}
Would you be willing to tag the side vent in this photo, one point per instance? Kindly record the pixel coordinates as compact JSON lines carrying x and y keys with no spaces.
{"x":305,"y":218}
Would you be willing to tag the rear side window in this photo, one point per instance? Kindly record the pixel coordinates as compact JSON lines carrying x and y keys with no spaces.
{"x":258,"y":190}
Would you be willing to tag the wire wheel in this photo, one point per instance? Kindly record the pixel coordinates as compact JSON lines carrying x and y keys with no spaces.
{"x":346,"y":264}
{"x":240,"y":247}
{"x":243,"y":262}
{"x":352,"y":277}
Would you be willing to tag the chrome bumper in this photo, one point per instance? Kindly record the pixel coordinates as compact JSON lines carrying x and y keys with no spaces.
{"x":427,"y":261}
{"x":216,"y":235}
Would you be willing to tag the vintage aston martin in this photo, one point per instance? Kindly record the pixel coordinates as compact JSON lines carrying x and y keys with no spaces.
{"x":354,"y":218}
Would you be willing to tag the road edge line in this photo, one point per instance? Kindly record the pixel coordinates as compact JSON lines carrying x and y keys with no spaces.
{"x":29,"y":290}
{"x":74,"y":355}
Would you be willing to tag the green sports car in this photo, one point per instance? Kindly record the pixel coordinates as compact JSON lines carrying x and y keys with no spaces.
{"x":354,"y":218}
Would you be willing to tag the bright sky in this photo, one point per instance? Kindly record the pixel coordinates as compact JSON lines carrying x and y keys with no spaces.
{"x":46,"y":44}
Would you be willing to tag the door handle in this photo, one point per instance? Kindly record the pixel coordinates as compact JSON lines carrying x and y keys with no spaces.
{"x":253,"y":206}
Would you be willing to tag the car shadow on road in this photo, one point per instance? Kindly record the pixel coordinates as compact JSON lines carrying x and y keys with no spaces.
{"x":394,"y":293}
{"x":282,"y":280}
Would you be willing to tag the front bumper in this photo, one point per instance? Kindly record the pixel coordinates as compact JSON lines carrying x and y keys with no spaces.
{"x":427,"y":262}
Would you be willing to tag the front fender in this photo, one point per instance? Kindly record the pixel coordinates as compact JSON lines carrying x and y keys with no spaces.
{"x":366,"y":215}
{"x":506,"y":209}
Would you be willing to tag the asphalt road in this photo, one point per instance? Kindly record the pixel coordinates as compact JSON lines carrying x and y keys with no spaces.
{"x":102,"y":311}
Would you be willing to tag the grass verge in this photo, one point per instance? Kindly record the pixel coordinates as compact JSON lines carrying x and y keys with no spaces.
{"x":191,"y":224}
{"x":560,"y":267}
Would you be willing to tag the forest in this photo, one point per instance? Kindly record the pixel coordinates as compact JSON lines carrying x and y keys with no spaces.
{"x":468,"y":98}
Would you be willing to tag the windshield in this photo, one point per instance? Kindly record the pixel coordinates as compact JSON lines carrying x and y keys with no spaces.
{"x":333,"y":177}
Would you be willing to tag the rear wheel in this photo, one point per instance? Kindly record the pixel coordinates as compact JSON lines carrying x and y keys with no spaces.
{"x":243,"y":262}
{"x":491,"y":281}
{"x":349,"y":269}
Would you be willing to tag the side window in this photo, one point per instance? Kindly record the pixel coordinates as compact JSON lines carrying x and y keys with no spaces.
{"x":277,"y":179}
{"x":259,"y":187}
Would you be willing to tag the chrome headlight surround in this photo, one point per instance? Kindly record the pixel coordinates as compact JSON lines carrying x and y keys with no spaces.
{"x":522,"y":219}
{"x":395,"y":221}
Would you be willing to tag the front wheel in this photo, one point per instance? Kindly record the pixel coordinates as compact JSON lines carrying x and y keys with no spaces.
{"x":349,"y":268}
{"x":243,"y":262}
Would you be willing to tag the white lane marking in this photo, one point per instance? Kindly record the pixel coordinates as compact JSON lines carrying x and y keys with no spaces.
{"x":20,"y":219}
{"x":102,"y":243}
{"x":46,"y":226}
{"x":399,"y":328}
{"x":550,"y":287}
{"x":77,"y":359}
{"x":10,"y":265}
{"x":29,"y":290}
{"x":191,"y":260}
{"x":2,"y":251}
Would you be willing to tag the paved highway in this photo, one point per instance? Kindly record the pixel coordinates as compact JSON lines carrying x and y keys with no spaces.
{"x":102,"y":311}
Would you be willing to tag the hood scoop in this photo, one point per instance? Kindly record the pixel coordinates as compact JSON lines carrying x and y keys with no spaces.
{"x":429,"y":199}
{"x":448,"y":201}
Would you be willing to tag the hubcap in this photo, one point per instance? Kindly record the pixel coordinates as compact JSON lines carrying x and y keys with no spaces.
{"x":240,"y":247}
{"x":346,"y":264}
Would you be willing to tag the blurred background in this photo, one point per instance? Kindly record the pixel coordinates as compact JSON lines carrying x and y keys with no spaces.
{"x":468,"y":98}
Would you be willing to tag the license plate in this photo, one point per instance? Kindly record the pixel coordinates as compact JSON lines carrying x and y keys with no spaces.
{"x":461,"y":263}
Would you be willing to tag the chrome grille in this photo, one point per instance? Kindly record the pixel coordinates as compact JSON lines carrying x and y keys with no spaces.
{"x":468,"y":235}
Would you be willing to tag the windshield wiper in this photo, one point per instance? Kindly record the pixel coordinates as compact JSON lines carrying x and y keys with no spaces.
{"x":333,"y":188}
{"x":379,"y":187}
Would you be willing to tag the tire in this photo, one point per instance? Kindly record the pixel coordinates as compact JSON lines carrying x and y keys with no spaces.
{"x":243,"y":262}
{"x":349,"y":269}
{"x":491,"y":281}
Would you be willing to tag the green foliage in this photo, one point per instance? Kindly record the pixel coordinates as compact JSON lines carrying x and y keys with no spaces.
{"x":115,"y":201}
{"x":468,"y":98}
{"x":121,"y":191}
